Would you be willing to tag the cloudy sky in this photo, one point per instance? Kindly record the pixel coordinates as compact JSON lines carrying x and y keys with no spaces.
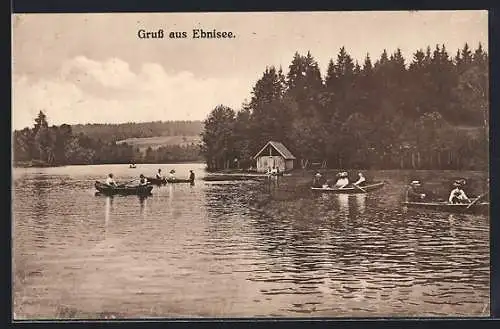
{"x":92,"y":68}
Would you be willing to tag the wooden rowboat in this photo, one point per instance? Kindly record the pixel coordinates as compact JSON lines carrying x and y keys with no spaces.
{"x":177,"y":180}
{"x":157,"y":181}
{"x":241,"y":176}
{"x":477,"y":208}
{"x":163,"y":181}
{"x":105,"y":189}
{"x":351,"y":189}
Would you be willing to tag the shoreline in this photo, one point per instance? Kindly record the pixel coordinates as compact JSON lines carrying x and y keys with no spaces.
{"x":26,"y":164}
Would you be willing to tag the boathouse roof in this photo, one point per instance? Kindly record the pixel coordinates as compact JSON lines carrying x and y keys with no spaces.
{"x":279,"y":147}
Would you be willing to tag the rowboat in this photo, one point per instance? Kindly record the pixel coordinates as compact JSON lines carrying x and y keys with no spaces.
{"x":123,"y":190}
{"x":177,"y":180}
{"x":241,"y":176}
{"x":350,"y":189}
{"x":163,"y":181}
{"x":219,"y":178}
{"x":476,"y":208}
{"x":157,"y":181}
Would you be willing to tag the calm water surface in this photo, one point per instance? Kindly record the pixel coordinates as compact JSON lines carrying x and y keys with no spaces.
{"x":238,"y":249}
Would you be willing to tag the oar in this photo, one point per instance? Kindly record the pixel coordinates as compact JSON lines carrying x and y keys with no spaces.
{"x":476,"y":200}
{"x":122,"y":185}
{"x":362,"y":189}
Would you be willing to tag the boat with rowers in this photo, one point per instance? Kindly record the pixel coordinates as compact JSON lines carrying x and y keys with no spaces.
{"x":105,"y":189}
{"x":351,"y":189}
{"x":164,"y":181}
{"x":476,"y":208}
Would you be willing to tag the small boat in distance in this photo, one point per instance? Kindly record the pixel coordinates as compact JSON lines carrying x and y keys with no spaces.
{"x":466,"y":208}
{"x":142,"y":190}
{"x":351,"y":189}
{"x":132,"y":166}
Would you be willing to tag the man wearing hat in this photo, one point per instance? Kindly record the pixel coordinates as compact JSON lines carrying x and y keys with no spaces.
{"x":457,"y":195}
{"x":414,"y":192}
{"x":171,"y":175}
{"x":318,"y":180}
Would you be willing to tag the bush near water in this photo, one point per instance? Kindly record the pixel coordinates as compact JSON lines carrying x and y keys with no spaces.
{"x":430,"y":113}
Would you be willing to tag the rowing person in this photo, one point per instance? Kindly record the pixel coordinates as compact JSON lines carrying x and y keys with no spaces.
{"x":414,"y":193}
{"x":342,"y":181}
{"x":110,"y":181}
{"x":318,"y":180}
{"x":361,"y":180}
{"x":143,"y":180}
{"x":457,"y":195}
{"x":171,"y":175}
{"x":191,"y":177}
{"x":159,"y":175}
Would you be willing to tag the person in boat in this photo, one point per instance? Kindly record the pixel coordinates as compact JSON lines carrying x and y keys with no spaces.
{"x":457,"y":195}
{"x":171,"y":175}
{"x":159,"y":175}
{"x":415,"y":193}
{"x":361,"y":180}
{"x":342,"y":181}
{"x":143,"y":180}
{"x":318,"y":180}
{"x":191,"y":176}
{"x":110,"y":181}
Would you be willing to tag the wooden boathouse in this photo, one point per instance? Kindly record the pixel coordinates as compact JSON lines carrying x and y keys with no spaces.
{"x":274,"y":155}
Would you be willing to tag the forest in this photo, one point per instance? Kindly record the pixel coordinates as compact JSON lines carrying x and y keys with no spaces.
{"x":117,"y":132}
{"x":430,"y":112}
{"x":44,"y":145}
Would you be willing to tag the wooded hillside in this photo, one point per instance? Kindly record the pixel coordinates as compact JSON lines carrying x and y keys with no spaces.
{"x":44,"y":145}
{"x":118,"y":132}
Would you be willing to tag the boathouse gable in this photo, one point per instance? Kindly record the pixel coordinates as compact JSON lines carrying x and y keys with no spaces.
{"x":274,"y":155}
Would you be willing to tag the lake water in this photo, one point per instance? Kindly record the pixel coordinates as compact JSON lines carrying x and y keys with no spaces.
{"x":240,"y":249}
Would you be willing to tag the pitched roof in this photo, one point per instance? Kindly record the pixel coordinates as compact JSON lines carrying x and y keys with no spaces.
{"x":280,"y":148}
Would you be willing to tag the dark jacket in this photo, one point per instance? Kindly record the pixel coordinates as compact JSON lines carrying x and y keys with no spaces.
{"x":414,"y":194}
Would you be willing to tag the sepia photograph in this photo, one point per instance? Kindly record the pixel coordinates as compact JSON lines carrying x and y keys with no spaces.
{"x":250,"y":165}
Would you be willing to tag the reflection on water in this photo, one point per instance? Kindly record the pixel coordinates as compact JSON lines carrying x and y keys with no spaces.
{"x":246,"y":248}
{"x":107,"y":211}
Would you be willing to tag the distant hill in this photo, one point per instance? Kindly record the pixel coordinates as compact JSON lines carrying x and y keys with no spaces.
{"x":158,"y":141}
{"x":125,"y":131}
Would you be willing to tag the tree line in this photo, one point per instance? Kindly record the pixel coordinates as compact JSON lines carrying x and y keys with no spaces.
{"x":44,"y":145}
{"x":430,"y":113}
{"x":118,"y":132}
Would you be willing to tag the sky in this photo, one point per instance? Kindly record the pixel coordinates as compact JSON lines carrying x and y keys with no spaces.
{"x":93,"y":68}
